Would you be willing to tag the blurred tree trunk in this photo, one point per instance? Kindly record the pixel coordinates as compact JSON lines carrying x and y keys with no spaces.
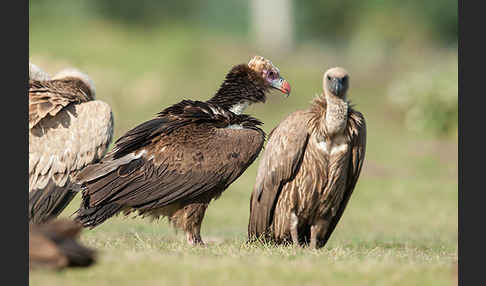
{"x":273,"y":24}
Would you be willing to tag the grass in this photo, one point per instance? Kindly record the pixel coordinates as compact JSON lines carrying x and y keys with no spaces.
{"x":400,"y":227}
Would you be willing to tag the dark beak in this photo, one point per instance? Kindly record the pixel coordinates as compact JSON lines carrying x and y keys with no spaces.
{"x":282,"y":85}
{"x":338,"y":86}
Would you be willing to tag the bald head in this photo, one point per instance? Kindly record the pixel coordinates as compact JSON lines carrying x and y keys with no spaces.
{"x":270,"y":73}
{"x":336,"y":82}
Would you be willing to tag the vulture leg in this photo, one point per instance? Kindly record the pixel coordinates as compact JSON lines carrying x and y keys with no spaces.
{"x":294,"y":224}
{"x":318,"y":231}
{"x":189,"y":218}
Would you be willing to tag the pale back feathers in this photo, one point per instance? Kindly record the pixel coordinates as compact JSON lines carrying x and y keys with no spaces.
{"x":68,"y":130}
{"x":77,"y":136}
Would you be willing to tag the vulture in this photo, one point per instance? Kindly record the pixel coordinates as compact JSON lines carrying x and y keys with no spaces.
{"x":309,"y":169}
{"x":174,"y":164}
{"x":68,"y":130}
{"x":54,"y":245}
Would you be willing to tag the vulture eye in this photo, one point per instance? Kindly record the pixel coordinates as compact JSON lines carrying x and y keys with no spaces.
{"x":271,"y":75}
{"x":329,"y":77}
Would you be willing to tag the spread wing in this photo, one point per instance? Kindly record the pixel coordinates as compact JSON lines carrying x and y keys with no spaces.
{"x":279,"y":164}
{"x":50,"y":97}
{"x":166,"y":163}
{"x":356,"y":132}
{"x":60,"y":146}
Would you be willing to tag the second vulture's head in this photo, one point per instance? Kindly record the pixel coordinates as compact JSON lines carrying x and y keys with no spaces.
{"x":246,"y":84}
{"x":336,"y":82}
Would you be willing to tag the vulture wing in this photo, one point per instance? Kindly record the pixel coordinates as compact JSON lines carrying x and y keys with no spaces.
{"x":60,"y":146}
{"x":50,"y":97}
{"x":168,"y":159}
{"x":280,"y":162}
{"x":356,"y":132}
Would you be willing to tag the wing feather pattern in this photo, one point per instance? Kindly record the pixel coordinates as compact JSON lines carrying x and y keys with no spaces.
{"x":168,"y":159}
{"x":356,"y":133}
{"x":47,"y":98}
{"x":59,"y":147}
{"x":280,"y":162}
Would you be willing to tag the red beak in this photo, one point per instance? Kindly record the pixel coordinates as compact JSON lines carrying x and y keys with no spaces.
{"x":282,"y":85}
{"x":285,"y":87}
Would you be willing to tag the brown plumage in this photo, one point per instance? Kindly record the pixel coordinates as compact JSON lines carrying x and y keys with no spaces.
{"x":309,"y":169}
{"x":54,"y":245}
{"x":68,"y":130}
{"x":176,"y":163}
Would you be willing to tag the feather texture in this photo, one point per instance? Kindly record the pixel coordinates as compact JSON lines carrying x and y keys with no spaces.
{"x":68,"y":131}
{"x":174,"y":164}
{"x":308,"y":172}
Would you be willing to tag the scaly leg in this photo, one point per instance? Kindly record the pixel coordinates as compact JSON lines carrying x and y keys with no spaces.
{"x":194,"y":237}
{"x":294,"y":224}
{"x":190,"y":218}
{"x":317,"y":233}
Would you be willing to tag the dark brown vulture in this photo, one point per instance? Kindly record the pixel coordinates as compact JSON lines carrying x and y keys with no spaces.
{"x":54,"y":245}
{"x":309,"y":169}
{"x":68,"y":130}
{"x":175,"y":164}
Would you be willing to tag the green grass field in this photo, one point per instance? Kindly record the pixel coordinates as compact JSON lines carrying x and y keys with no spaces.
{"x":400,"y":227}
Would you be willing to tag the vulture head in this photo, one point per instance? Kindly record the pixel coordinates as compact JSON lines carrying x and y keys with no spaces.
{"x":269,"y":73}
{"x":336,"y":82}
{"x":36,"y":73}
{"x":246,"y":84}
{"x":82,"y":80}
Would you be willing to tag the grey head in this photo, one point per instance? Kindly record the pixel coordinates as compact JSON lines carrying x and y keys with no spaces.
{"x":336,"y":82}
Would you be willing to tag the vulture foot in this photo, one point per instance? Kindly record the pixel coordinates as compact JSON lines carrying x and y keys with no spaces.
{"x":194,"y":239}
{"x":318,"y":231}
{"x":294,"y":223}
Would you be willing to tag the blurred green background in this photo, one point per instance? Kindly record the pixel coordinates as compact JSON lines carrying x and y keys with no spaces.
{"x":400,"y":227}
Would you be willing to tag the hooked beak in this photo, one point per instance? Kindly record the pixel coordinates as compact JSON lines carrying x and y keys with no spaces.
{"x":337,"y":87}
{"x":282,"y":85}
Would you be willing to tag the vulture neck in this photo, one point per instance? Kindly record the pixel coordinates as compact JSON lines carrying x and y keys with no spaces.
{"x":242,"y":87}
{"x":336,"y":114}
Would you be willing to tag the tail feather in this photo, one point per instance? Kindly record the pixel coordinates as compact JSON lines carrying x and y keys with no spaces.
{"x":49,"y":202}
{"x":258,"y":224}
{"x":94,"y":216}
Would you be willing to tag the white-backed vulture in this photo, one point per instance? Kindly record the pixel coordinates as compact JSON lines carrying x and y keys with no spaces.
{"x":68,"y":130}
{"x":175,"y":164}
{"x":309,"y":169}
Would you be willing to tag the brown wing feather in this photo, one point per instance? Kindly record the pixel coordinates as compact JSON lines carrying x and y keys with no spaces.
{"x":193,"y":160}
{"x":356,"y":132}
{"x":280,"y":162}
{"x":51,"y":96}
{"x":59,"y":147}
